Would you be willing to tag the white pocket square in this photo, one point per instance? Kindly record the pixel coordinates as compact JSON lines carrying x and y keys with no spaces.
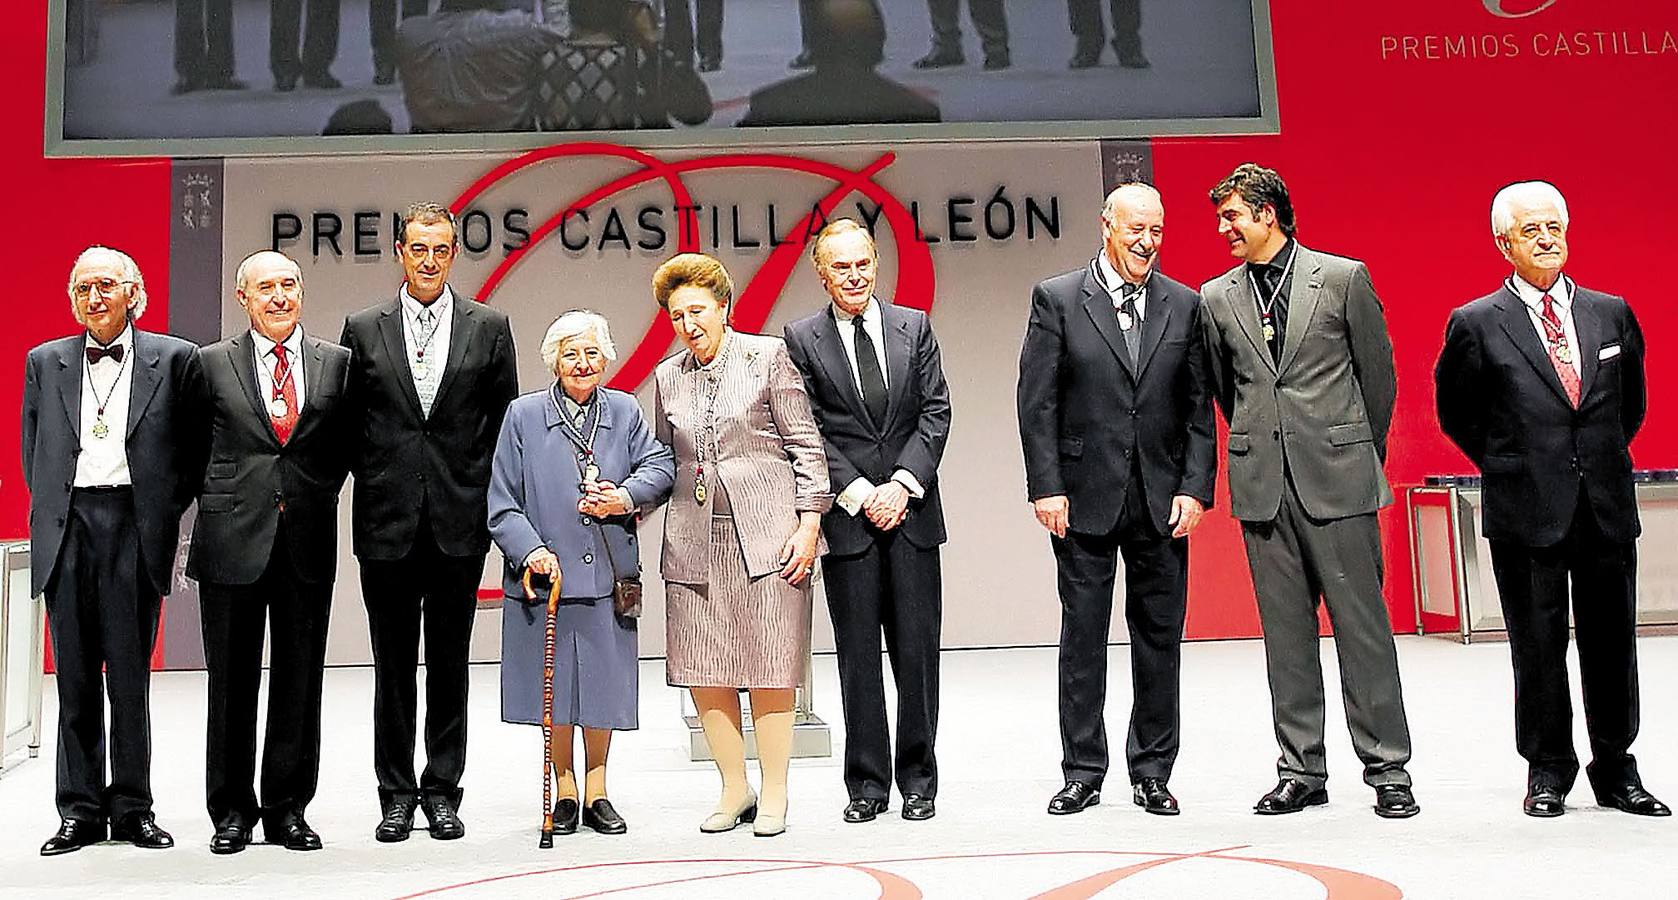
{"x":1608,"y":352}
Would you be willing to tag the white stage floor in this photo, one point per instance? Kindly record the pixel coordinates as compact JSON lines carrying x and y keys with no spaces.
{"x":999,"y":755}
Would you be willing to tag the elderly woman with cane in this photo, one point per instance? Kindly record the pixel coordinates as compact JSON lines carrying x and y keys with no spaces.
{"x":574,"y":463}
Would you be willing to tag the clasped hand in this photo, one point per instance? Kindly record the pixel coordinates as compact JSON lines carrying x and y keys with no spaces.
{"x":603,"y":499}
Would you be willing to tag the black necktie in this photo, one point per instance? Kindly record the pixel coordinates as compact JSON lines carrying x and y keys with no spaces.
{"x":868,"y":370}
{"x":95,"y":354}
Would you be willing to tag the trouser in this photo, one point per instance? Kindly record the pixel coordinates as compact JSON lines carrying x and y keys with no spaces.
{"x":1087,"y":27}
{"x":709,"y":16}
{"x":319,"y":37}
{"x":102,"y":611}
{"x":1296,"y":561}
{"x":204,"y":39}
{"x":381,"y":22}
{"x":893,"y":588}
{"x":990,"y":20}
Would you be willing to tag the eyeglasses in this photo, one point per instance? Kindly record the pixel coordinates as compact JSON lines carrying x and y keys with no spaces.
{"x":105,"y":286}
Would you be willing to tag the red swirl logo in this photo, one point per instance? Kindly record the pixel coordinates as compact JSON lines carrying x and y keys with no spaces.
{"x":1502,"y":8}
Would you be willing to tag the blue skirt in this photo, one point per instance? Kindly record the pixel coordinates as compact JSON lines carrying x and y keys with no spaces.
{"x":596,"y":664}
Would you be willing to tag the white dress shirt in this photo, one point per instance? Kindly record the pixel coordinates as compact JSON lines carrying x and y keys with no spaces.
{"x":1110,"y":277}
{"x":436,"y":352}
{"x":103,"y":461}
{"x":267,"y":365}
{"x":873,"y":322}
{"x":1561,"y":293}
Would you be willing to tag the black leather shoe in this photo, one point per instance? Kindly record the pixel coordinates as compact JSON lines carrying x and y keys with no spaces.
{"x":1290,"y":796}
{"x":1395,"y":801}
{"x":804,"y":60}
{"x":709,"y":63}
{"x":997,"y":61}
{"x":140,"y":829}
{"x":1632,"y":798}
{"x":1544,"y":799}
{"x":291,"y":833}
{"x":322,"y":80}
{"x":1132,"y":57}
{"x":1085,"y":58}
{"x":285,"y":83}
{"x":384,"y":74}
{"x":1153,"y":796}
{"x":226,"y":83}
{"x":445,"y":823}
{"x":565,"y":816}
{"x":73,"y":834}
{"x":864,"y":809}
{"x":1076,"y":797}
{"x":230,"y":838}
{"x":397,"y":823}
{"x":918,"y":807}
{"x":940,"y":58}
{"x":603,"y":818}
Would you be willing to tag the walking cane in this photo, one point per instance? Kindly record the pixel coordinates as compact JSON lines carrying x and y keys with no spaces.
{"x":547,"y":840}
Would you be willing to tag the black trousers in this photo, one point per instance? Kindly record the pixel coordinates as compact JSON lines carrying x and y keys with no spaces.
{"x":102,"y":611}
{"x":708,"y":14}
{"x":1533,"y":584}
{"x":439,"y":593}
{"x":319,"y":37}
{"x":296,"y":612}
{"x":204,"y":39}
{"x":894,"y":588}
{"x":381,"y":22}
{"x":990,"y":20}
{"x":1089,"y":30}
{"x":1156,"y":598}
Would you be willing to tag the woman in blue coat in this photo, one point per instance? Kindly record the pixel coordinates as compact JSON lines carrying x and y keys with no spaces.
{"x":572,"y":466}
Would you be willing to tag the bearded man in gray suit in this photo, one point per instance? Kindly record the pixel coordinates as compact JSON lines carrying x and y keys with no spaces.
{"x":1302,"y":368}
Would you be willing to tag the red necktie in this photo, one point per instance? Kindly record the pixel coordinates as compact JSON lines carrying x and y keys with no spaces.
{"x":285,"y":388}
{"x":1555,"y":339}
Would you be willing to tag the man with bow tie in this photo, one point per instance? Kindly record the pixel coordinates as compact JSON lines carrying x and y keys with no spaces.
{"x":1541,"y":384}
{"x":1115,"y":417}
{"x":265,"y":552}
{"x":112,"y":458}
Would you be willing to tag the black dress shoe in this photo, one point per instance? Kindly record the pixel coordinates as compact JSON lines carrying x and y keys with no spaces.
{"x":565,"y":816}
{"x":804,"y":60}
{"x":1544,"y":799}
{"x":1153,"y":796}
{"x":1076,"y":797}
{"x":140,"y":829}
{"x":397,"y":823}
{"x":73,"y":834}
{"x":1132,"y":57}
{"x":384,"y":74}
{"x":321,"y":81}
{"x":940,"y":58}
{"x":710,"y":63}
{"x":997,"y":61}
{"x":445,"y":823}
{"x":225,"y":83}
{"x":1290,"y":796}
{"x":285,"y":83}
{"x":1395,"y":801}
{"x":864,"y":809}
{"x":918,"y":807}
{"x":1632,"y":798}
{"x":603,"y":818}
{"x":291,"y":833}
{"x":1085,"y":58}
{"x":230,"y":838}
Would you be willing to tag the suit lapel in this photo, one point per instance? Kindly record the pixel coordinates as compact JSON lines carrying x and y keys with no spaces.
{"x":312,"y":376}
{"x":1155,"y":316}
{"x":1098,"y":304}
{"x":830,"y":355}
{"x":1303,"y":295}
{"x":243,"y":357}
{"x":390,"y":328}
{"x":1519,"y":328}
{"x":1245,"y":307}
{"x":1589,"y":331}
{"x":899,"y":351}
{"x":146,"y":379}
{"x":70,"y":387}
{"x":461,"y":330}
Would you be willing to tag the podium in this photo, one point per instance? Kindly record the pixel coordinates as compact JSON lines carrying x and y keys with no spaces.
{"x":23,"y":622}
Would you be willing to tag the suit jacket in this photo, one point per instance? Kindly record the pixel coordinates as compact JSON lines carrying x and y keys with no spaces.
{"x":405,"y":463}
{"x":912,"y":437}
{"x":769,"y":454}
{"x":253,"y":481}
{"x":1086,"y":411}
{"x":1500,"y":400}
{"x":165,"y":454}
{"x":1325,"y":407}
{"x":533,"y":492}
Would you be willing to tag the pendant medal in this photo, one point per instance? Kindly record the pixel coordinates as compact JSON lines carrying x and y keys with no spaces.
{"x":1564,"y":353}
{"x":100,"y":429}
{"x":591,"y":472}
{"x":421,"y":370}
{"x":277,"y":407}
{"x":1125,"y":321}
{"x":699,"y":491}
{"x":1269,"y":332}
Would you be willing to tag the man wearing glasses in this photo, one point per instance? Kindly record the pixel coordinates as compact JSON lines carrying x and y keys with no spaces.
{"x":111,"y":456}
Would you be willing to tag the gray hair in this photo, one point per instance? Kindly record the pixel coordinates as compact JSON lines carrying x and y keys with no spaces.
{"x":130,"y":272}
{"x":571,"y":325}
{"x":245,"y":266}
{"x":1524,"y":194}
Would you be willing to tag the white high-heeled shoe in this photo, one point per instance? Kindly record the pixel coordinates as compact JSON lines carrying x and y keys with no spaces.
{"x":769,"y":826}
{"x":719,"y":822}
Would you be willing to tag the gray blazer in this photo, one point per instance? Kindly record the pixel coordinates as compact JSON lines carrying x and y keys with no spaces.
{"x":1325,"y":408}
{"x":533,"y":491}
{"x":770,"y":456}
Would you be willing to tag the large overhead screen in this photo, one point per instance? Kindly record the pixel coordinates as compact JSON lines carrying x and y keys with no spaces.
{"x":231,"y":77}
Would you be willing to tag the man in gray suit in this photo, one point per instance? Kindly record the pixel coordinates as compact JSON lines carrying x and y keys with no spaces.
{"x":1303,"y":370}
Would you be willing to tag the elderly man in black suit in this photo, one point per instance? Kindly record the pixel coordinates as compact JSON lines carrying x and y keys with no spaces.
{"x":1541,"y":385}
{"x":112,"y":456}
{"x":430,"y":379}
{"x":877,"y":389}
{"x":1115,"y":415}
{"x":265,"y":551}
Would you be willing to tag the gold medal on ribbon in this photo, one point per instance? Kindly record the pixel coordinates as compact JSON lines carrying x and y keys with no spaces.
{"x":699,"y":491}
{"x":100,"y":429}
{"x":1269,"y":332}
{"x":591,"y":472}
{"x":1564,"y":353}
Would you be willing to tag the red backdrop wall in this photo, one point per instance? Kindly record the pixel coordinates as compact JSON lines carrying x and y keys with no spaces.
{"x":1398,"y":125}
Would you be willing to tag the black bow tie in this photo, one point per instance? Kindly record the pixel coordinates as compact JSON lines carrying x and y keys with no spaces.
{"x":95,"y":354}
{"x":1128,"y":291}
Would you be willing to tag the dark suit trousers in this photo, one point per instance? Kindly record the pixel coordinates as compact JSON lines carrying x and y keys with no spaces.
{"x":1087,"y":26}
{"x":204,"y":39}
{"x":709,"y":20}
{"x":1156,"y":596}
{"x":442,"y":592}
{"x":103,"y":615}
{"x":319,"y":36}
{"x":1296,"y":561}
{"x":896,"y":588}
{"x":989,"y":20}
{"x":381,"y":22}
{"x":296,"y":612}
{"x":1533,"y":584}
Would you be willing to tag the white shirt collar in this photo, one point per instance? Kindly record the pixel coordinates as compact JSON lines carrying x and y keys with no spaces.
{"x":293,"y":343}
{"x":1533,"y":297}
{"x":125,"y":340}
{"x":1110,"y":276}
{"x":442,"y":304}
{"x":870,"y":314}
